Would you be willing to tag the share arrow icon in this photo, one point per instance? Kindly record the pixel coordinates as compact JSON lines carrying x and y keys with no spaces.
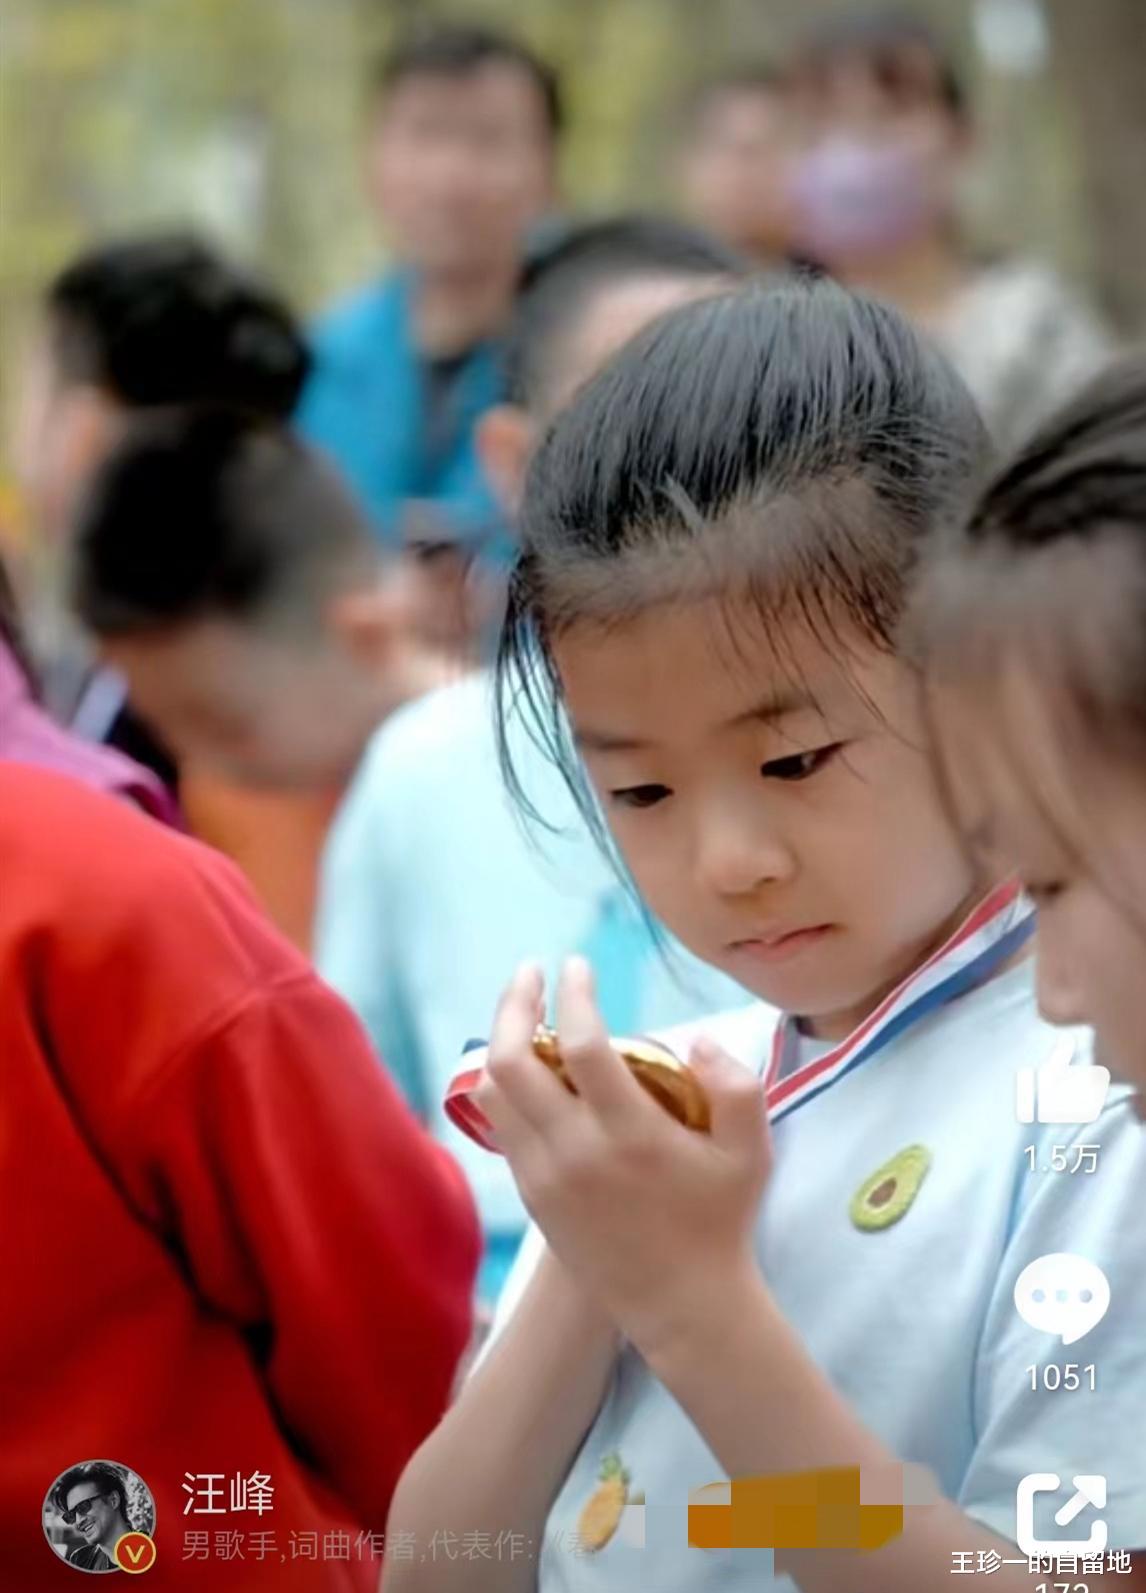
{"x":1091,"y":1494}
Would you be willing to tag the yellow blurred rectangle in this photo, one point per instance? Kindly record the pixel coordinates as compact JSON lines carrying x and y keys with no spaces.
{"x":795,"y":1510}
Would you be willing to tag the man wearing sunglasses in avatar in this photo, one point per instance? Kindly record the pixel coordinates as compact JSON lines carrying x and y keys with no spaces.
{"x":93,"y":1499}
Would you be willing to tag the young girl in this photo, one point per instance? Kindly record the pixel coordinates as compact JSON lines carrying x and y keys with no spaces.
{"x":717,"y":536}
{"x":1044,"y":595}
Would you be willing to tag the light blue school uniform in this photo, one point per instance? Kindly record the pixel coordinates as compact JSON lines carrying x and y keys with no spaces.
{"x":915,"y":1323}
{"x":433,"y":893}
{"x":365,"y":404}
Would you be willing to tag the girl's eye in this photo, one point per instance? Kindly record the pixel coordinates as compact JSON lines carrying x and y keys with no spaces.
{"x":640,"y":796}
{"x":801,"y":765}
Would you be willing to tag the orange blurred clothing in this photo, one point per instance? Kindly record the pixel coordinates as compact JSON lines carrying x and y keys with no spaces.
{"x":275,"y":837}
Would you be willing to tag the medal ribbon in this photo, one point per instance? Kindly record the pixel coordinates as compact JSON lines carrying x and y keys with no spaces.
{"x":997,"y":928}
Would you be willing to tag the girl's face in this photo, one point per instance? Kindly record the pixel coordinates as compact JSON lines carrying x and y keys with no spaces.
{"x":1079,"y":848}
{"x":779,"y":814}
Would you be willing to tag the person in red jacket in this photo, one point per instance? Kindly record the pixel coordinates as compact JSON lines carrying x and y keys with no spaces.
{"x":232,"y":1260}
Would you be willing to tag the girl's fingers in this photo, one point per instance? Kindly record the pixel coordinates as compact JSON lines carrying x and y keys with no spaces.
{"x":602,"y":1079}
{"x":516,"y":1015}
{"x":514,"y":1133}
{"x":736,"y":1098}
{"x":512,"y":1067}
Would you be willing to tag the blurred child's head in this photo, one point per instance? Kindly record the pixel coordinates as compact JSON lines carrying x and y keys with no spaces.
{"x":1033,"y":623}
{"x":579,"y":302}
{"x":734,"y":162}
{"x":887,"y":131}
{"x":131,"y":325}
{"x":716,"y":536}
{"x":224,"y":569}
{"x":462,"y":148}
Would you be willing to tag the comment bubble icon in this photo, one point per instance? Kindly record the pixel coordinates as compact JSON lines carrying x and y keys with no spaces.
{"x":1062,"y":1294}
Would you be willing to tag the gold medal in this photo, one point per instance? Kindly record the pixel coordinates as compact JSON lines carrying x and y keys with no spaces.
{"x":602,"y":1514}
{"x":670,"y":1082}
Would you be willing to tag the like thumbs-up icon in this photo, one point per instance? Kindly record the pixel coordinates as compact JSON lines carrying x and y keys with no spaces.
{"x":1061,"y":1091}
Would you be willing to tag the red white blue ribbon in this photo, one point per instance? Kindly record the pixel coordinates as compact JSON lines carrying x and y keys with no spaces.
{"x":997,"y":928}
{"x":462,"y":1109}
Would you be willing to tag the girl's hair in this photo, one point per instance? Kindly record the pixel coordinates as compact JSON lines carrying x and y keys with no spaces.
{"x":787,"y":445}
{"x":1051,"y":569}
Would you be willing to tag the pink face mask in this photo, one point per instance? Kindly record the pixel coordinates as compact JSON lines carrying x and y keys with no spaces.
{"x":853,"y":197}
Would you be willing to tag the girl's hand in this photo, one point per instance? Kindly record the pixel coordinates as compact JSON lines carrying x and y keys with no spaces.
{"x":655,"y":1220}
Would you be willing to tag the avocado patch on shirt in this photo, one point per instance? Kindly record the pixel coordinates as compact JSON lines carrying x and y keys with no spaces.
{"x":883,"y":1198}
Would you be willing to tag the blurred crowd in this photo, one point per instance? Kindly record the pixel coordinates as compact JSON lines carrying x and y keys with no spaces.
{"x":268,"y":563}
{"x":244,"y":656}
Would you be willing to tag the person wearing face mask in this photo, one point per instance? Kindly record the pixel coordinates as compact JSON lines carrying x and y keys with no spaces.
{"x":874,"y":194}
